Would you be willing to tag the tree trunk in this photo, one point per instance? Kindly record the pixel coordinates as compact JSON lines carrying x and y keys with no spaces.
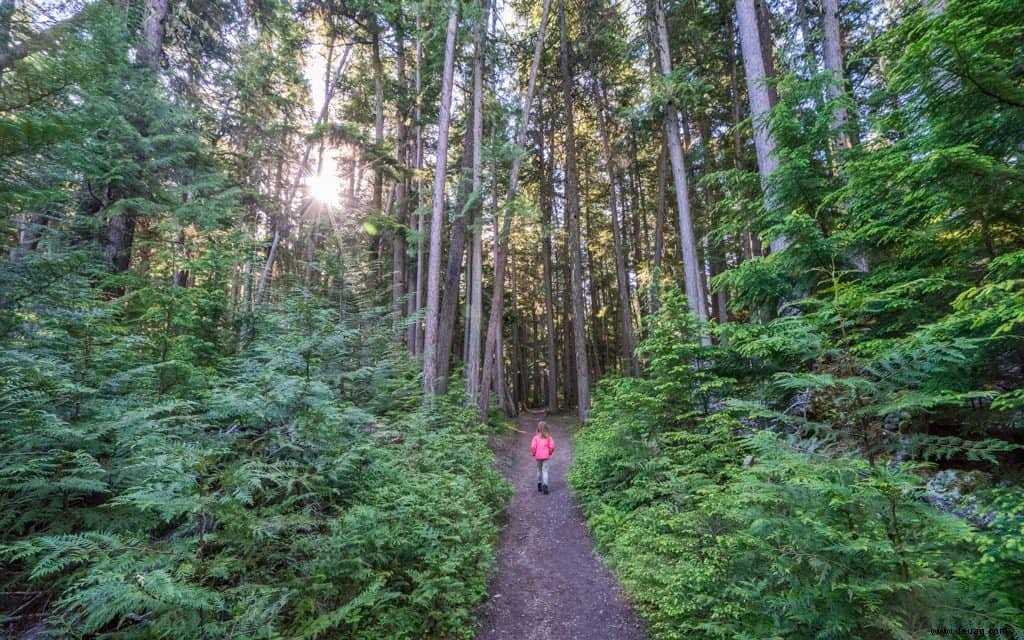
{"x":693,"y":276}
{"x":537,"y":379}
{"x":476,"y":245}
{"x":117,"y":249}
{"x":181,"y":276}
{"x":501,"y":384}
{"x":414,"y":338}
{"x":517,"y":386}
{"x":398,"y":270}
{"x":628,"y":340}
{"x":546,"y":204}
{"x":501,"y":241}
{"x":764,"y":32}
{"x":568,"y":341}
{"x":597,"y":344}
{"x":378,"y":121}
{"x":751,"y":243}
{"x":437,"y":210}
{"x":834,"y":65}
{"x":659,"y":227}
{"x":639,"y":206}
{"x":377,"y":194}
{"x":453,"y":270}
{"x":760,"y":101}
{"x":421,"y":272}
{"x":154,"y":29}
{"x":572,"y":216}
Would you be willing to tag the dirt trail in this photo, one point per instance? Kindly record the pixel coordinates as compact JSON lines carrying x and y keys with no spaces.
{"x":549,"y":585}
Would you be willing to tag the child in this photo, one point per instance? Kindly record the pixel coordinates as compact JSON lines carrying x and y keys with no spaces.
{"x":542,"y":448}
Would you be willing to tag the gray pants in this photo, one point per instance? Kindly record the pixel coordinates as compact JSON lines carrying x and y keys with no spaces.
{"x":542,"y":471}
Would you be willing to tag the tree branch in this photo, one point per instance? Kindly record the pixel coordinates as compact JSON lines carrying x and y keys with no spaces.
{"x":966,"y":74}
{"x":39,"y":41}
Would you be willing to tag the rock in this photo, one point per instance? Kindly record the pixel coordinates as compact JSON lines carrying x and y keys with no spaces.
{"x":949,"y":490}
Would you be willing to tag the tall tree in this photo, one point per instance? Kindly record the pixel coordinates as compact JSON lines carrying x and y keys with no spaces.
{"x":572,"y":218}
{"x":758,"y":92}
{"x":300,"y":172}
{"x":403,"y":158}
{"x":492,"y":343}
{"x":475,"y":279}
{"x":377,"y":198}
{"x":628,"y":340}
{"x":547,"y":198}
{"x":450,"y":293}
{"x":437,"y":209}
{"x":659,"y":226}
{"x":834,"y":65}
{"x":692,"y":271}
{"x":415,"y":336}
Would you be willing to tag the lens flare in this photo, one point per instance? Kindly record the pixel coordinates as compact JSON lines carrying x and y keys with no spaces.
{"x":323,"y":189}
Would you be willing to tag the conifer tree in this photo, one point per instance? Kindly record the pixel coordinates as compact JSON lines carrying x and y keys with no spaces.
{"x":430,"y":340}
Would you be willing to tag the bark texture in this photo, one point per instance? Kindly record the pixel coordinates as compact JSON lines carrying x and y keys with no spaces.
{"x":437,"y":210}
{"x":692,"y":272}
{"x":154,"y":30}
{"x":475,"y":322}
{"x":759,"y":95}
{"x":834,"y":65}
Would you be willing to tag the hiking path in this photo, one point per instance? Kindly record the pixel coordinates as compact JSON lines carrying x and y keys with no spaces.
{"x":549,"y":583}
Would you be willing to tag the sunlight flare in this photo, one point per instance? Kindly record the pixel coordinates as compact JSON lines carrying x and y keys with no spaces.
{"x":323,"y":189}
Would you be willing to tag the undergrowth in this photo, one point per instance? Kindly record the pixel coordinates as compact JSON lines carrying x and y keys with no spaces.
{"x":723,"y":525}
{"x":295,"y":490}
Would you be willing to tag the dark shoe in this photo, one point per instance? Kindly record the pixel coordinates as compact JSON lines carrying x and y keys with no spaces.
{"x":539,"y":486}
{"x":545,"y":489}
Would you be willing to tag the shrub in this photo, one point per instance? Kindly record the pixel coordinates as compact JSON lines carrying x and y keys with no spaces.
{"x":268,"y":505}
{"x":723,"y":530}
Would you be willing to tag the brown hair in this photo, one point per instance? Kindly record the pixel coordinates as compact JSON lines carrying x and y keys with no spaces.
{"x":542,"y":428}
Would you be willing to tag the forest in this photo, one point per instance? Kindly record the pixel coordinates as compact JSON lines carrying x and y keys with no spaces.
{"x":277,"y":274}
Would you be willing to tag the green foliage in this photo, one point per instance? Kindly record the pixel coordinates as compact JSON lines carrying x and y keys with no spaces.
{"x":725,"y":531}
{"x":1000,"y":568}
{"x":794,"y":546}
{"x":838,"y":372}
{"x":174,"y":463}
{"x":680,"y":379}
{"x":254,"y":500}
{"x":882,"y":344}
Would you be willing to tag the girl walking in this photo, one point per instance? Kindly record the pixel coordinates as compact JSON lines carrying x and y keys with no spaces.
{"x":542,"y":447}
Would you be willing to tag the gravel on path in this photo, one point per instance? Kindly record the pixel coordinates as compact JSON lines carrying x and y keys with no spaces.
{"x":549,"y":583}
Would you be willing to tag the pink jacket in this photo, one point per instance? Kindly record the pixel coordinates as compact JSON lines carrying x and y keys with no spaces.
{"x":542,"y":447}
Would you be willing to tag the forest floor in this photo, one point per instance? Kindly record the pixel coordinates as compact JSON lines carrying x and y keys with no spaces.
{"x":549,"y":585}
